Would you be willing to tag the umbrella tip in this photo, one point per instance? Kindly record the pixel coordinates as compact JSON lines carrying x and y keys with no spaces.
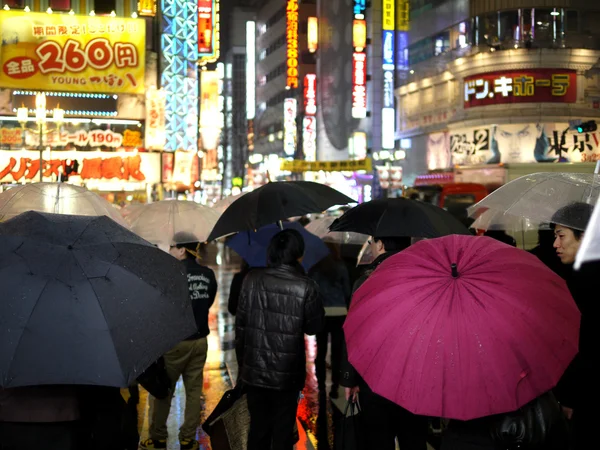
{"x":454,"y":270}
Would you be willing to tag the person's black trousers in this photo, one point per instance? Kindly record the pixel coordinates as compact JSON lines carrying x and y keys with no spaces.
{"x":384,"y":421}
{"x":272,"y":418}
{"x":35,"y":436}
{"x":333,"y":327}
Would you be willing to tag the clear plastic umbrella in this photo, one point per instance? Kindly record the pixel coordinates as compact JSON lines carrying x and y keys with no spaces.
{"x":159,"y":222}
{"x":537,"y":198}
{"x":224,"y":203}
{"x":320,"y":227}
{"x":57,"y":198}
{"x":590,"y":246}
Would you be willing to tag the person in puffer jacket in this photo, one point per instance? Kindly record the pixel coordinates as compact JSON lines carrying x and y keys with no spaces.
{"x":278,"y":305}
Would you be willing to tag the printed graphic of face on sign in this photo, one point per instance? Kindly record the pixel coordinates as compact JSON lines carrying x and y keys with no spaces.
{"x":438,"y":151}
{"x":517,"y":143}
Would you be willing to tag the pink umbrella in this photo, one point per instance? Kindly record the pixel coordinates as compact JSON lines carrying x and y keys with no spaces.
{"x":462,"y":327}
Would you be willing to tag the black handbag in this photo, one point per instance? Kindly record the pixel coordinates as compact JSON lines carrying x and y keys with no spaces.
{"x":229,"y":424}
{"x":156,"y":380}
{"x":348,"y":431}
{"x":540,"y":424}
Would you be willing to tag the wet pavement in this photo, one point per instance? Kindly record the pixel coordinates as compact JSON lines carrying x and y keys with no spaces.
{"x":221,"y":371}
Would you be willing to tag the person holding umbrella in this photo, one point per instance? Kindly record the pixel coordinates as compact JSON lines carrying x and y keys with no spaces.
{"x":384,"y":421}
{"x":577,"y":389}
{"x":187,"y":358}
{"x":278,"y":305}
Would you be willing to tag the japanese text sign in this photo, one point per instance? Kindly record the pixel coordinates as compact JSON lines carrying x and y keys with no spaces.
{"x":310,"y":94}
{"x":388,"y":19}
{"x":402,"y":15}
{"x":292,"y":43}
{"x":525,"y":86}
{"x":205,"y":27}
{"x":64,"y":52}
{"x":290,"y":110}
{"x":298,"y":165}
{"x":359,"y":85}
{"x":23,"y":166}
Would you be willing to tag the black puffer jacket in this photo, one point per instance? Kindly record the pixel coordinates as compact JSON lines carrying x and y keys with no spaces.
{"x":277,"y":307}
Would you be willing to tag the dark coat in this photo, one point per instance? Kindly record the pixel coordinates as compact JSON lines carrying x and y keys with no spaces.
{"x":235,"y":290}
{"x":277,"y":307}
{"x":350,"y":378}
{"x":578,"y":387}
{"x":202,"y":285}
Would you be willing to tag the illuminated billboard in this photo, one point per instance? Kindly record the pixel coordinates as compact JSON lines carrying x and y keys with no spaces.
{"x":359,"y":85}
{"x":313,"y":34}
{"x":359,"y":61}
{"x":208,"y":31}
{"x":310,"y":94}
{"x":250,"y":70}
{"x":290,"y":111}
{"x":292,"y":43}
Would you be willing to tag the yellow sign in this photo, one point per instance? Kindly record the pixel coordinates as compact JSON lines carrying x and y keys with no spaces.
{"x":403,"y":17}
{"x":297,"y":165}
{"x":312,"y":34}
{"x":292,"y":43}
{"x":63,"y":52}
{"x":147,"y":8}
{"x":388,"y":19}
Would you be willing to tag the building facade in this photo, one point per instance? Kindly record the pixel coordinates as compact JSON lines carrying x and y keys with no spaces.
{"x":497,"y":88}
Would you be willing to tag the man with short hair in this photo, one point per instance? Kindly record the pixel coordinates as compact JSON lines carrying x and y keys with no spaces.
{"x":188,"y":357}
{"x":577,"y":391}
{"x":278,"y":305}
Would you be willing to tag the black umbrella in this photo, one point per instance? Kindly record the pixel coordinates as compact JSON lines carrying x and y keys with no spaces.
{"x":396,"y":217}
{"x":274,"y":202}
{"x":85,"y":301}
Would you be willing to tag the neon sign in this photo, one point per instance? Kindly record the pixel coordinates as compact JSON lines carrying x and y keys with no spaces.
{"x":310,"y":94}
{"x":359,"y":85}
{"x":292,"y":43}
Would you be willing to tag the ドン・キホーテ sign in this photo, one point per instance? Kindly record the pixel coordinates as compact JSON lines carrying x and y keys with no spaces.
{"x":72,"y":53}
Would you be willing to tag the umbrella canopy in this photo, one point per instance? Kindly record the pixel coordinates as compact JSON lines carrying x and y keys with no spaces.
{"x":462,"y":327}
{"x":224,"y":203}
{"x":590,"y":246}
{"x":252,"y":245}
{"x":397,"y":217}
{"x":85,"y":301}
{"x":159,"y":222}
{"x":320,"y":228}
{"x":537,"y":197}
{"x":56,"y":198}
{"x":274,"y":202}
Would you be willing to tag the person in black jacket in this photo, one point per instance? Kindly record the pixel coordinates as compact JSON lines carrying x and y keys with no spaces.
{"x":383,"y":420}
{"x":278,"y":305}
{"x":188,"y":357}
{"x":236,"y":287}
{"x":577,"y":390}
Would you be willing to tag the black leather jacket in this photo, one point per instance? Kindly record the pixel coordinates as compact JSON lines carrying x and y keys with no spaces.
{"x":277,"y":306}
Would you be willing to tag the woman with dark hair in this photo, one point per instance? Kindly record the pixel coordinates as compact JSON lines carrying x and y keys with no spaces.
{"x":333,"y":280}
{"x":577,"y":390}
{"x":278,"y":305}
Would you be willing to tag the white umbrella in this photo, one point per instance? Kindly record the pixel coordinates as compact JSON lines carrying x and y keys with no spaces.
{"x":159,"y":222}
{"x":57,"y":198}
{"x":320,"y":227}
{"x":590,"y":246}
{"x":224,"y":203}
{"x":537,"y":197}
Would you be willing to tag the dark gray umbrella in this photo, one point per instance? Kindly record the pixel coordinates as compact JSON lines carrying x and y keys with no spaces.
{"x":85,"y":301}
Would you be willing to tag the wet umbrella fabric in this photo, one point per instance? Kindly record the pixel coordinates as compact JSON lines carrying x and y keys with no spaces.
{"x":397,"y":217}
{"x":252,"y":246}
{"x":537,"y":197}
{"x":274,"y":202}
{"x":56,"y":198}
{"x":320,"y":227}
{"x":482,"y":338}
{"x":159,"y":222}
{"x":85,"y":301}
